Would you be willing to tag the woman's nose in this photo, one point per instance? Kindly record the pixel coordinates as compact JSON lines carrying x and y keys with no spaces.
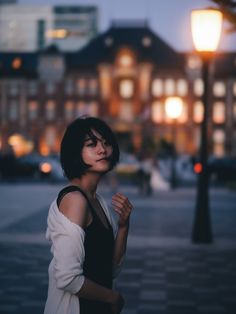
{"x":101,"y":147}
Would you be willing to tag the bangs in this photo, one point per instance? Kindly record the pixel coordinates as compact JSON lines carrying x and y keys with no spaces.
{"x":90,"y":135}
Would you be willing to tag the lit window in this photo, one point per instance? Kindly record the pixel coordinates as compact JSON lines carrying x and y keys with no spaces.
{"x":81,"y":109}
{"x":126,"y":88}
{"x":218,"y":142}
{"x":33,"y":110}
{"x":219,"y":89}
{"x":108,"y":41}
{"x":50,"y":110}
{"x":167,"y":118}
{"x":69,"y":86}
{"x":126,"y":60}
{"x":105,"y":79}
{"x":14,"y":88}
{"x":182,"y":87}
{"x":32,"y":88}
{"x":69,"y":110}
{"x":13,"y":110}
{"x":184,"y":114}
{"x":56,"y":33}
{"x":234,"y":88}
{"x":219,"y":112}
{"x":50,"y":138}
{"x":194,"y":62}
{"x":16,"y":63}
{"x":50,"y":87}
{"x":81,"y":86}
{"x":146,"y":41}
{"x":126,"y":111}
{"x":169,"y":87}
{"x":157,"y":112}
{"x":93,"y":86}
{"x":198,"y":110}
{"x":57,"y":64}
{"x":93,"y":109}
{"x":198,"y":87}
{"x":157,"y":87}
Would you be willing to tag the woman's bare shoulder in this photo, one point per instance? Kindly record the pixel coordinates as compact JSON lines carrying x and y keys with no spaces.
{"x":74,"y":206}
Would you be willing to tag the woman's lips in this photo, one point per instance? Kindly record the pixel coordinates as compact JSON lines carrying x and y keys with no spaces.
{"x":102,"y":159}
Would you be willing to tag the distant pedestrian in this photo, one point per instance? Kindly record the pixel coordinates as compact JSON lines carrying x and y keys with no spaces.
{"x":144,"y":174}
{"x":157,"y":182}
{"x":87,"y":246}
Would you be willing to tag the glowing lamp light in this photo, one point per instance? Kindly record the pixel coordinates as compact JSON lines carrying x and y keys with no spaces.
{"x":16,"y":63}
{"x":206,"y":29}
{"x":45,"y":167}
{"x":174,"y":107}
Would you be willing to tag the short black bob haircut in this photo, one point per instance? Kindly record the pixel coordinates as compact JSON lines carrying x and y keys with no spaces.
{"x":73,"y":142}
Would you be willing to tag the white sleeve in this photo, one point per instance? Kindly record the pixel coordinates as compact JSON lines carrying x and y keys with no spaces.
{"x":68,"y":251}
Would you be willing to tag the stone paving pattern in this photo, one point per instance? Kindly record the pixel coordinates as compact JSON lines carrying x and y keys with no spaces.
{"x":163,"y":273}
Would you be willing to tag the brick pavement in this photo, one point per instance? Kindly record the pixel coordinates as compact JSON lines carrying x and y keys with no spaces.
{"x":163,"y":271}
{"x":154,"y":280}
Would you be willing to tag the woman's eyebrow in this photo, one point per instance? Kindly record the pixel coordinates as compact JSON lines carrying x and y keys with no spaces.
{"x":88,"y":139}
{"x":94,"y":139}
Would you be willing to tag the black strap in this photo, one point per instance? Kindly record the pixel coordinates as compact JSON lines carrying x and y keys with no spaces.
{"x":72,"y":188}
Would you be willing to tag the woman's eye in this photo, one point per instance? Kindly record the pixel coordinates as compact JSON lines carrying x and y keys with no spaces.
{"x":92,"y":144}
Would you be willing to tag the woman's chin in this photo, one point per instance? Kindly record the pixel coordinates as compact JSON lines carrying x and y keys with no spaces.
{"x":102,"y":170}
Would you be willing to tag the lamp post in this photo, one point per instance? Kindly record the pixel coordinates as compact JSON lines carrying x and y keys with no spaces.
{"x":173,"y":108}
{"x":206,"y":30}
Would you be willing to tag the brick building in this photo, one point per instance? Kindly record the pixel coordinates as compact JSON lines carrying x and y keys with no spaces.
{"x":123,"y":75}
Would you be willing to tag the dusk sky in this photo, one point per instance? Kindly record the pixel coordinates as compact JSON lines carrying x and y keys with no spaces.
{"x":170,"y":19}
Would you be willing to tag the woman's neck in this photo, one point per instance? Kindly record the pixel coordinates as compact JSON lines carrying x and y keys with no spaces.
{"x":87,"y":184}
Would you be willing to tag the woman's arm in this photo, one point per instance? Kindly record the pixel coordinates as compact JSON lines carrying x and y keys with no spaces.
{"x":123,"y":207}
{"x":74,"y":207}
{"x":93,"y":291}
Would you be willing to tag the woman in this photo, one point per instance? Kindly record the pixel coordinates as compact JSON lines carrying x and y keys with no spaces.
{"x":87,"y":246}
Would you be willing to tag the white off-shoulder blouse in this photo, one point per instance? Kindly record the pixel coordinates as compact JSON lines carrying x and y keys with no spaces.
{"x":66,"y":268}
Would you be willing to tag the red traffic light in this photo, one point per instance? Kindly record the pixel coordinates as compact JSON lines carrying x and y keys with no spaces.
{"x":198,"y":167}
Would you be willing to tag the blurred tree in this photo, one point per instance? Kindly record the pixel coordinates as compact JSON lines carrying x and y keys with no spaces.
{"x":228,"y":8}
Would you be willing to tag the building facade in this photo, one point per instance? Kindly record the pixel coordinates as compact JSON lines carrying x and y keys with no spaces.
{"x":4,"y":2}
{"x":28,"y":28}
{"x":124,"y":75}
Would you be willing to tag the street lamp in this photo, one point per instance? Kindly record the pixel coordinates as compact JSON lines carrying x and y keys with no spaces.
{"x":206,"y":30}
{"x":173,"y":108}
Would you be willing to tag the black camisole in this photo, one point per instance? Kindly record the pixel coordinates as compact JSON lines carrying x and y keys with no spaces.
{"x":98,"y":245}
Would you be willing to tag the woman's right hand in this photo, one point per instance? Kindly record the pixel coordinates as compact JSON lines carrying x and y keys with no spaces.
{"x":118,"y":304}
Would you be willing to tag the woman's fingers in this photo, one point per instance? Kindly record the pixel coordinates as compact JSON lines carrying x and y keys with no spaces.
{"x":122,"y":199}
{"x":121,"y":204}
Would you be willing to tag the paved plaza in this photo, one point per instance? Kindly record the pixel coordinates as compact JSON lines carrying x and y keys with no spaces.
{"x":164,"y":273}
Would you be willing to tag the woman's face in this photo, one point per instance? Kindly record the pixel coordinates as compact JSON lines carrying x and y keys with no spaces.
{"x":96,"y":152}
